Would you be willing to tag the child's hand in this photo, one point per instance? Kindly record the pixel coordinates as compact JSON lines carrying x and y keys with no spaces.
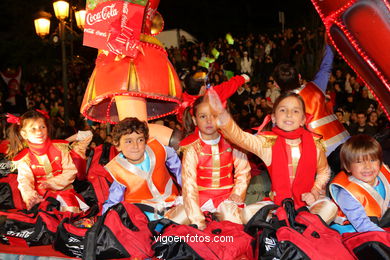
{"x":309,"y":198}
{"x":216,"y":107}
{"x":215,"y":102}
{"x":44,"y":185}
{"x":33,"y":201}
{"x":202,"y":227}
{"x":235,"y":198}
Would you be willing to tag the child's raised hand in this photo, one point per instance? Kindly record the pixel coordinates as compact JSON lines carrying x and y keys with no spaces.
{"x":309,"y":198}
{"x":216,"y":107}
{"x":215,"y":102}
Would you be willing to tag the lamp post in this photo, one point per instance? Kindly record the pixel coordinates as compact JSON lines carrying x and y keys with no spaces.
{"x":42,"y":27}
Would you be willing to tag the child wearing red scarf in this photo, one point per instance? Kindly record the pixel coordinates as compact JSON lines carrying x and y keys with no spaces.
{"x":45,"y":166}
{"x":295,"y":158}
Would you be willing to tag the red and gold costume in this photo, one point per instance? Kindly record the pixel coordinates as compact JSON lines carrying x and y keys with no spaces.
{"x":293,"y":182}
{"x":50,"y":162}
{"x":323,"y":122}
{"x":373,"y":204}
{"x":210,"y":174}
{"x":155,"y":188}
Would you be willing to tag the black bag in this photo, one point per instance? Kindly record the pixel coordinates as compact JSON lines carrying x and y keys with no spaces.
{"x":30,"y":228}
{"x":121,"y":232}
{"x":71,"y":232}
{"x":368,"y":245}
{"x":295,"y":235}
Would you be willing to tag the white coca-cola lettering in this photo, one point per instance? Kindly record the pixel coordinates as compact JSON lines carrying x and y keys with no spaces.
{"x":21,"y":234}
{"x":107,"y":12}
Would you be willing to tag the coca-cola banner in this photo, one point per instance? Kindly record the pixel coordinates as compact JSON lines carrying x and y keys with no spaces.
{"x":114,"y":26}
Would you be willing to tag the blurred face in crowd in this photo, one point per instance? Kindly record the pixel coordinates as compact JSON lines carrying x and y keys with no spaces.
{"x":373,"y":117}
{"x":361,"y":119}
{"x":340,"y":116}
{"x":339,"y":74}
{"x":365,"y":93}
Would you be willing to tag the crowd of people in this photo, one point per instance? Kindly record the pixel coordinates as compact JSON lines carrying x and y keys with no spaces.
{"x":214,"y":170}
{"x":255,"y":55}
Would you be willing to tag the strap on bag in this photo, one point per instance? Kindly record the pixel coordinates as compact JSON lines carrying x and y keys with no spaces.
{"x":90,"y":242}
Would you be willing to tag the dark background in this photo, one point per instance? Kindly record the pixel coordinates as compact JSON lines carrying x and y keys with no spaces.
{"x":205,"y":19}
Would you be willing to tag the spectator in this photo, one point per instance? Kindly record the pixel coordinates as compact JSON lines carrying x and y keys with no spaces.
{"x":361,"y":126}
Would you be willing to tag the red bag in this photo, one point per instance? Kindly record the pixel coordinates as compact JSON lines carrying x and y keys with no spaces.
{"x":315,"y":239}
{"x":17,"y":228}
{"x":368,"y":245}
{"x":10,"y":197}
{"x":121,"y":232}
{"x":294,"y":235}
{"x":97,"y":175}
{"x":220,"y":240}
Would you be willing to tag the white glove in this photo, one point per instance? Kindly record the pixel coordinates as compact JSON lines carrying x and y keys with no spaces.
{"x":82,"y":135}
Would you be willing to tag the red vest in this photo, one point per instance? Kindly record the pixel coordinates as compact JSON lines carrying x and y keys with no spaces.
{"x":145,"y":187}
{"x":215,"y":177}
{"x":373,"y":203}
{"x":215,"y":166}
{"x":47,"y":165}
{"x":324,"y":122}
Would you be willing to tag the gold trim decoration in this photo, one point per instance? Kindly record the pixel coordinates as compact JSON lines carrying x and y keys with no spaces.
{"x":150,"y":39}
{"x":201,"y":188}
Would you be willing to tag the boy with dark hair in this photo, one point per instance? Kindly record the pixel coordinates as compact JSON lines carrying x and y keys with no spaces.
{"x":141,"y":171}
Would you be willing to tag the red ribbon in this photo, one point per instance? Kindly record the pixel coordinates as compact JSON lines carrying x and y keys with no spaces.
{"x":44,"y":113}
{"x":13,"y":119}
{"x":123,"y":40}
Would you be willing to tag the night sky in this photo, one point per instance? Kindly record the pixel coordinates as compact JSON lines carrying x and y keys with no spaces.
{"x":205,"y":19}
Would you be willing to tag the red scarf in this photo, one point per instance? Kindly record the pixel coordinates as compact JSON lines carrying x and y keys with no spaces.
{"x":306,"y":170}
{"x":39,"y":149}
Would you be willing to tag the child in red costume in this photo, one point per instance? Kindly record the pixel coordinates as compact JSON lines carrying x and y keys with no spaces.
{"x":45,"y":167}
{"x":294,"y":157}
{"x":215,"y":175}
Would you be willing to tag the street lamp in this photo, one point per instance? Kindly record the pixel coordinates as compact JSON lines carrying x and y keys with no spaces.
{"x":42,"y":27}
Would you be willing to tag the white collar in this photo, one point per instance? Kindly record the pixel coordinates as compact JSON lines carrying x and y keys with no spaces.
{"x":210,"y":142}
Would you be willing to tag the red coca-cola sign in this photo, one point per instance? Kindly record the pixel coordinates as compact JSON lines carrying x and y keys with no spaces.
{"x":114,"y":25}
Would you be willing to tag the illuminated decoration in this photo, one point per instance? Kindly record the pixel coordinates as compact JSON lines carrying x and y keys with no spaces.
{"x":42,"y":27}
{"x":215,"y":53}
{"x":80,"y":18}
{"x":229,"y":39}
{"x":360,"y":32}
{"x":61,"y":9}
{"x":157,"y":24}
